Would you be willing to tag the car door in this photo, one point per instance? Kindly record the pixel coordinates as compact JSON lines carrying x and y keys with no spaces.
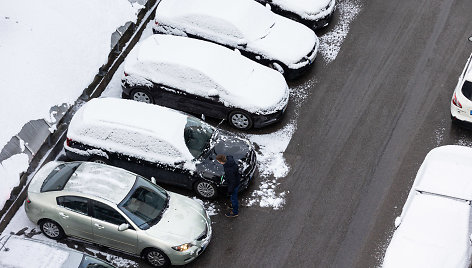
{"x":105,"y":222}
{"x":74,"y":217}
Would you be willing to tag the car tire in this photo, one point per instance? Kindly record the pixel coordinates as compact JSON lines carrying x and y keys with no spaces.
{"x":277,"y":66}
{"x":156,"y":258}
{"x":141,"y":95}
{"x":51,"y":229}
{"x":206,"y":189}
{"x":240,"y":120}
{"x":100,"y":160}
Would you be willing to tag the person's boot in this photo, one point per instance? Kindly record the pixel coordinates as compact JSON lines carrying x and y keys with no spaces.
{"x":231,"y":214}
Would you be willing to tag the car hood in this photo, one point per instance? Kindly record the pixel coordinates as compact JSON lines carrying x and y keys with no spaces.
{"x":183,"y":221}
{"x":287,"y":42}
{"x":227,"y":144}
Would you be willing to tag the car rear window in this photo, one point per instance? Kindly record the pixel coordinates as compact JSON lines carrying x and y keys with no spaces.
{"x":57,"y":179}
{"x":467,"y":90}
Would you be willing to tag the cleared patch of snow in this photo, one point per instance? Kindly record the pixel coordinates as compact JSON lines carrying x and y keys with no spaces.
{"x":330,"y":43}
{"x":209,"y":206}
{"x":10,"y":170}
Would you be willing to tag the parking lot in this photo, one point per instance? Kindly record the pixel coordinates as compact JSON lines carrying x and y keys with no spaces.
{"x":358,"y":126}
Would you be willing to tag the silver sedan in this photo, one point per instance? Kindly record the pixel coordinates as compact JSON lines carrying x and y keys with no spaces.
{"x":117,"y":209}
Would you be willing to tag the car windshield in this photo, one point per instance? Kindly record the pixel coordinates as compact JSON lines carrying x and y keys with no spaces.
{"x":145,"y":203}
{"x":197,"y":135}
{"x":59,"y":176}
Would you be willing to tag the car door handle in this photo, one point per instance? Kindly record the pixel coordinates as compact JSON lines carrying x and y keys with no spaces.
{"x":99,"y":226}
{"x":63,"y":215}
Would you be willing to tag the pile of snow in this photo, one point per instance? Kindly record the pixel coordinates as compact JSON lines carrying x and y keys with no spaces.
{"x":205,"y":69}
{"x":330,"y":43}
{"x":21,"y":253}
{"x":10,"y":170}
{"x":131,"y":128}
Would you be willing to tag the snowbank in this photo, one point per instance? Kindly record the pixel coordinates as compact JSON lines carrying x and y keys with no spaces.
{"x":10,"y":170}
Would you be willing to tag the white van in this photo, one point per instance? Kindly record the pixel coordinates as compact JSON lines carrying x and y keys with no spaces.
{"x":461,"y":102}
{"x":434,"y":229}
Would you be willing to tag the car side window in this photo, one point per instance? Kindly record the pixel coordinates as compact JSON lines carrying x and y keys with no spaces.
{"x":106,"y":213}
{"x":74,"y":203}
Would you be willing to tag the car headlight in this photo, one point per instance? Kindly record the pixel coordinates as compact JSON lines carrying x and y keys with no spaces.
{"x":183,"y":247}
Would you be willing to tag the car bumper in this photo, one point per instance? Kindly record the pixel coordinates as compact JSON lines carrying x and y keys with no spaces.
{"x":461,"y":117}
{"x":297,"y":69}
{"x":265,"y":120}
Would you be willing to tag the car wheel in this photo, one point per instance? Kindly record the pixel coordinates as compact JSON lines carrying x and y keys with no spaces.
{"x":276,"y":66}
{"x":156,"y":258}
{"x":240,"y":120}
{"x":100,"y":160}
{"x":142,"y":95}
{"x":51,"y":229}
{"x":206,"y":189}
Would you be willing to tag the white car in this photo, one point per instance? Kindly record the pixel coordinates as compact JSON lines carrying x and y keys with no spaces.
{"x":283,"y":44}
{"x":200,"y":77}
{"x":20,"y":252}
{"x":461,"y":102}
{"x":315,"y":13}
{"x":118,"y":209}
{"x":434,"y":229}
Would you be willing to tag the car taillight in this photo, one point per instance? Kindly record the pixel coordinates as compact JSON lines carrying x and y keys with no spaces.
{"x":155,"y":22}
{"x":68,"y":141}
{"x":27,"y":200}
{"x":456,"y":102}
{"x":126,"y":74}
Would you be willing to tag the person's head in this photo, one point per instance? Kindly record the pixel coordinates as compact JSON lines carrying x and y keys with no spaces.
{"x":221,"y":158}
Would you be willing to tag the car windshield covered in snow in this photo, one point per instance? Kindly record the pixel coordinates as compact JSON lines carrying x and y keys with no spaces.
{"x":145,"y":203}
{"x":197,"y":135}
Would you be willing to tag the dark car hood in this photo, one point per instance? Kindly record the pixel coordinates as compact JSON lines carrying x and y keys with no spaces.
{"x":227,"y":144}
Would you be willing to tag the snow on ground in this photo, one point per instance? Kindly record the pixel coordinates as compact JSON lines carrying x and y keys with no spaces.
{"x":50,"y":53}
{"x":10,"y":170}
{"x":330,"y":43}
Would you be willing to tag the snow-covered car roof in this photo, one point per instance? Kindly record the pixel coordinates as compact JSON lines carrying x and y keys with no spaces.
{"x":203,"y":68}
{"x":137,"y":129}
{"x":102,"y":181}
{"x":306,"y":9}
{"x":434,"y":233}
{"x":447,"y":170}
{"x":225,"y":15}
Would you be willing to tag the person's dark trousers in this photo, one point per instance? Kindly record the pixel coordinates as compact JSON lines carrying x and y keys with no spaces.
{"x":234,"y":200}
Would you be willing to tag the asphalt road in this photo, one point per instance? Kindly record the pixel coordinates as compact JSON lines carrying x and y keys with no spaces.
{"x":363,"y":131}
{"x":362,"y":134}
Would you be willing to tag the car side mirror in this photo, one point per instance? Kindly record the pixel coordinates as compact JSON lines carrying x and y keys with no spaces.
{"x":179,"y":163}
{"x":213,"y":94}
{"x":153,"y":180}
{"x":203,"y":117}
{"x":268,"y":6}
{"x":398,"y":221}
{"x":123,"y":226}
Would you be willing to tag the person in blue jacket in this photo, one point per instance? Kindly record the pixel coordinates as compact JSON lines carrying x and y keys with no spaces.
{"x":233,"y":178}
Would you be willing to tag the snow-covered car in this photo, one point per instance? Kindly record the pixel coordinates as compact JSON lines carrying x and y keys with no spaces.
{"x":118,"y":209}
{"x":200,"y":77}
{"x":314,"y":14}
{"x":22,"y":252}
{"x":159,"y":142}
{"x":461,"y":102}
{"x":434,"y":228}
{"x":261,"y":35}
